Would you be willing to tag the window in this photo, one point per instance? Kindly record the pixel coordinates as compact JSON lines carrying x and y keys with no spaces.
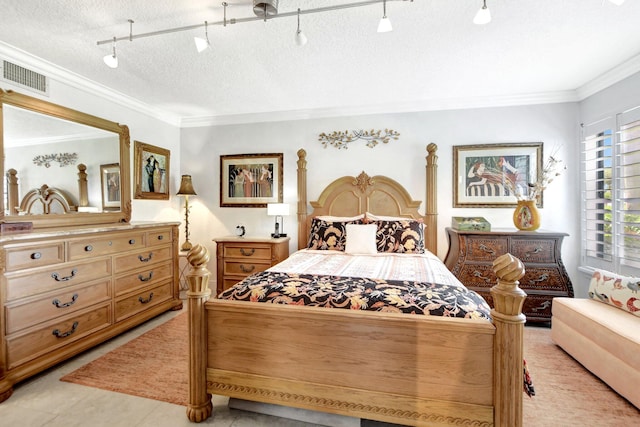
{"x":611,"y":193}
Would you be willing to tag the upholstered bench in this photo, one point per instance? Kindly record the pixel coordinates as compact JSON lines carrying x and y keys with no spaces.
{"x":603,"y":337}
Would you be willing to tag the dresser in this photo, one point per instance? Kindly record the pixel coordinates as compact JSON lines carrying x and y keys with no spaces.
{"x":470,"y":259}
{"x":66,"y":290}
{"x":239,"y":257}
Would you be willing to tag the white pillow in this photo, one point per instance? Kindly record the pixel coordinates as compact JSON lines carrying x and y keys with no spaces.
{"x":361,"y":239}
{"x":329,"y":218}
{"x":373,"y":217}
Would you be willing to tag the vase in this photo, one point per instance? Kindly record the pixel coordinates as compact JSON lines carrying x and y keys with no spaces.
{"x":526,"y":217}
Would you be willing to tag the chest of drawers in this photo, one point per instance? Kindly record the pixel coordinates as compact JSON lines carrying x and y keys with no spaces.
{"x":64,"y":292}
{"x":238,"y":257}
{"x":470,"y":259}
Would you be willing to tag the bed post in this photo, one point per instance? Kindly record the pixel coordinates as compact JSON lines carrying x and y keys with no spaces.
{"x":12,"y":192}
{"x":83,"y":200}
{"x":431,"y":200}
{"x":199,"y":406}
{"x":508,"y":341}
{"x":302,"y":198}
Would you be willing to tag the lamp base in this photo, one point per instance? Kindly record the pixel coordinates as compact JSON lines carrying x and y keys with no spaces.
{"x":186,"y":246}
{"x":275,"y":236}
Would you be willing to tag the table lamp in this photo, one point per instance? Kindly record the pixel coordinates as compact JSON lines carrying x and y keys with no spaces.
{"x":279,"y":210}
{"x":186,"y":190}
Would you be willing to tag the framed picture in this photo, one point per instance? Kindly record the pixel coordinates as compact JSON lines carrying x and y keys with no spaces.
{"x":250,"y":180}
{"x":488,"y":175}
{"x":151,"y":171}
{"x":110,"y":178}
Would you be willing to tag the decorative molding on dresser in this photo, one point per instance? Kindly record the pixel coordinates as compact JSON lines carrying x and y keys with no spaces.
{"x":66,"y":290}
{"x":239,"y":257}
{"x":471,"y":254}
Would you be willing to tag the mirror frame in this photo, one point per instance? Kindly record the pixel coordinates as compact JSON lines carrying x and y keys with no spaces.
{"x":26,"y":102}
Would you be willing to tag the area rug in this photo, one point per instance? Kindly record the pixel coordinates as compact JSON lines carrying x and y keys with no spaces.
{"x":155,"y":366}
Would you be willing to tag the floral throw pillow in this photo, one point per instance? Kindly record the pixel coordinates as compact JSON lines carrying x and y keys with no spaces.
{"x":622,"y":292}
{"x":329,"y":235}
{"x":403,"y":236}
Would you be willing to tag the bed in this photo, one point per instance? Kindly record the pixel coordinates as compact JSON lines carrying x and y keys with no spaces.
{"x":379,"y":365}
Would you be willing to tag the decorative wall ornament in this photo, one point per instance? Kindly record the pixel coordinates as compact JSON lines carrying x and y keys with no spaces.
{"x":341,"y":139}
{"x":65,"y":159}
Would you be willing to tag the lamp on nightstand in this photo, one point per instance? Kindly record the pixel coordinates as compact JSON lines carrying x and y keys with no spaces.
{"x":279,"y":210}
{"x":186,"y":190}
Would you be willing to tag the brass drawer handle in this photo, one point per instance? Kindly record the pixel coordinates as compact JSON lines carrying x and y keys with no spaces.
{"x":36,"y":255}
{"x":145,"y":279}
{"x":58,"y":304}
{"x":253,"y":251}
{"x":57,"y":277}
{"x":59,"y":334}
{"x":487,"y":249}
{"x":145,"y":259}
{"x":543,"y":278}
{"x":479,"y":275}
{"x":247,"y":270}
{"x":146,"y":301}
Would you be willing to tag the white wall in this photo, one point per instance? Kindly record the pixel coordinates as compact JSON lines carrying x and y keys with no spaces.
{"x":404,"y":160}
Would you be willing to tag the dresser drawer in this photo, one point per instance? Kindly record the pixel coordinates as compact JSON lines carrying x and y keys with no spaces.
{"x":19,"y":258}
{"x":480,"y":248}
{"x":249,"y":251}
{"x":29,"y":312}
{"x":139,"y":278}
{"x":548,"y":279}
{"x":535,"y":307}
{"x":27,"y":346}
{"x":244,"y":268}
{"x":159,"y":237}
{"x":534,"y":250}
{"x":141,"y":259}
{"x":143,"y":300}
{"x":20,"y":285}
{"x":85,"y":248}
{"x":477,"y":275}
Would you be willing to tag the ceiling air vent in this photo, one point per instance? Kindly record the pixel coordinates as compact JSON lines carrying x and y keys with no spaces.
{"x":25,"y":78}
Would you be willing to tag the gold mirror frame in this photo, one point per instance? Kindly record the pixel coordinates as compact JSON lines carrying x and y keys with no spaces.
{"x":26,"y":102}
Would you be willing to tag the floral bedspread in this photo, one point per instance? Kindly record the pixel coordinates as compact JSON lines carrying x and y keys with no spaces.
{"x":360,"y":293}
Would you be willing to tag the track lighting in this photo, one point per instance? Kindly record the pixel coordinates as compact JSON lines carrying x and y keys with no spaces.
{"x":202,"y":44}
{"x":112,"y":60}
{"x":483,"y":16}
{"x":385,"y":24}
{"x":301,"y":39}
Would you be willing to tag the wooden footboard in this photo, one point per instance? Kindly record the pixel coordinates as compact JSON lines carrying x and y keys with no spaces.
{"x":414,"y":370}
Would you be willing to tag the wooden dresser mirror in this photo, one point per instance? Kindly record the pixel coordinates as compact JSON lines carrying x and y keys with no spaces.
{"x":62,"y":167}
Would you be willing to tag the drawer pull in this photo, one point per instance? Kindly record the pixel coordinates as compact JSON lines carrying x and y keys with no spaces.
{"x":542,"y":306}
{"x":533,"y":252}
{"x":132,"y":241}
{"x":487,"y":249}
{"x":36,"y":255}
{"x":242,"y":251}
{"x":88,"y":248}
{"x":247,"y":269}
{"x":145,"y":259}
{"x":480,"y":276}
{"x":146,"y":301}
{"x":59,"y":334}
{"x":57,"y":277}
{"x":58,"y":304}
{"x":161,"y":237}
{"x":543,"y":278}
{"x":145,"y":279}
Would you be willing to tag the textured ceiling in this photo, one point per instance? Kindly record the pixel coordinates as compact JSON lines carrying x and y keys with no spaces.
{"x":434,"y":56}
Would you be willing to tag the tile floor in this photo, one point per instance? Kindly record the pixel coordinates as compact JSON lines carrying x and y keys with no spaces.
{"x":44,"y":400}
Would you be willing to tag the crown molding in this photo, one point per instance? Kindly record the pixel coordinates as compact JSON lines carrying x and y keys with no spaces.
{"x":609,"y":78}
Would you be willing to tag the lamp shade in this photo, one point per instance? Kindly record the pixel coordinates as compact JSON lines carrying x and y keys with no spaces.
{"x":186,"y":187}
{"x":278,"y":209}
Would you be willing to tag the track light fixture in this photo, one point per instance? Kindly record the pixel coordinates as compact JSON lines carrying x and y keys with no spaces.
{"x":483,"y":16}
{"x":203,"y":44}
{"x":262,"y":10}
{"x":301,"y":39}
{"x":112,"y":60}
{"x":384,"y":26}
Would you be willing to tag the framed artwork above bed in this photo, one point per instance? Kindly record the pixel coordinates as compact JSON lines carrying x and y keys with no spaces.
{"x":486,"y":175}
{"x":250,"y":180}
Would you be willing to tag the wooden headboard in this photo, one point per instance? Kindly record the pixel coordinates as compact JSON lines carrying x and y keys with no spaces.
{"x":380,"y":195}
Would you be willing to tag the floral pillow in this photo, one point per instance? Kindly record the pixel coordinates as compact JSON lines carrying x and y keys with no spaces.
{"x":401,"y":236}
{"x":329,"y":235}
{"x":619,"y":291}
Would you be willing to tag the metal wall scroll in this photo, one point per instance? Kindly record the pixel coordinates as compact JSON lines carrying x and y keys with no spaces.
{"x":65,"y":159}
{"x":342,"y":140}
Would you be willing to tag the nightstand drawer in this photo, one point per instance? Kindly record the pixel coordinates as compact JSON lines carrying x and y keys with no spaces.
{"x":254,"y":252}
{"x":534,"y":250}
{"x":480,"y":248}
{"x":239,"y":268}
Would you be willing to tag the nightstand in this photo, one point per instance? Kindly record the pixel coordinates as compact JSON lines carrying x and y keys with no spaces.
{"x":470,"y":259}
{"x":238,"y":257}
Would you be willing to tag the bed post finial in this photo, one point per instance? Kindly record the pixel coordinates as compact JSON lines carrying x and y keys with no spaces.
{"x":431,"y":199}
{"x":83,"y":199}
{"x":199,"y":406}
{"x":508,"y":341}
{"x":12,"y":191}
{"x":302,"y":198}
